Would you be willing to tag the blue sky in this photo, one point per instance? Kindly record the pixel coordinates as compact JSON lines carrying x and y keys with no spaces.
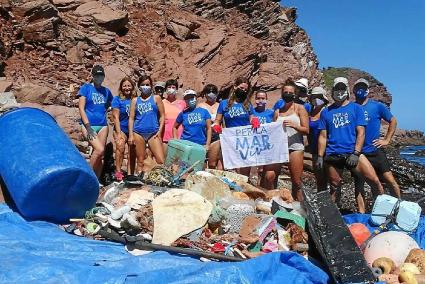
{"x":383,"y":37}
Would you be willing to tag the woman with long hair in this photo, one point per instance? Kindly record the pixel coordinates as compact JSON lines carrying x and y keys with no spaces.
{"x":93,"y":103}
{"x":237,"y":111}
{"x":295,"y":123}
{"x":146,"y":123}
{"x":120,"y":113}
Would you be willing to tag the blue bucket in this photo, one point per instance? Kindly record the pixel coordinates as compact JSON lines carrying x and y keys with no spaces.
{"x":45,"y":175}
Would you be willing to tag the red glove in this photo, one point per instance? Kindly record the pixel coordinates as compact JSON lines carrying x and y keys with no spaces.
{"x":255,"y":122}
{"x":217,"y":128}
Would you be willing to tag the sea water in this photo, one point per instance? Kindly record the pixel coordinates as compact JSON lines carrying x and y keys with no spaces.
{"x":408,"y":153}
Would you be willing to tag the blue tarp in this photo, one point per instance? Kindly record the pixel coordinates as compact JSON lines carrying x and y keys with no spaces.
{"x":40,"y":252}
{"x":418,"y":235}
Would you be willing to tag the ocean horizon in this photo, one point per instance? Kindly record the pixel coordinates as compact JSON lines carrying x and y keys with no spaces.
{"x":409,"y":153}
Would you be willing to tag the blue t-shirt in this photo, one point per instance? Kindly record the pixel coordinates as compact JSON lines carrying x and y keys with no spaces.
{"x":281,"y":103}
{"x":194,"y":123}
{"x":313,"y":135}
{"x":374,"y":111}
{"x":123,"y":105}
{"x":265,"y":116}
{"x":236,"y":115}
{"x":340,"y":124}
{"x":97,"y":103}
{"x":146,"y":120}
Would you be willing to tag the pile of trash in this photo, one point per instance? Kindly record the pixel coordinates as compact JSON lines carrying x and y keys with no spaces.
{"x":212,"y":214}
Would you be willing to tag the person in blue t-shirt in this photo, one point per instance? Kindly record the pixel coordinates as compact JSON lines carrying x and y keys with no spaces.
{"x":319,"y":101}
{"x":146,"y":124}
{"x":94,"y":101}
{"x":372,"y":147}
{"x":260,"y":111}
{"x":120,"y":114}
{"x":196,"y":122}
{"x":341,"y":138}
{"x":237,"y":111}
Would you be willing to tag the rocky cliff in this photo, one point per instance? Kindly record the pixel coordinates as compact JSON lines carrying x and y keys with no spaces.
{"x":48,"y":46}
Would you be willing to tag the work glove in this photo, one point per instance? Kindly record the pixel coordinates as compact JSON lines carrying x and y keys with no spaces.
{"x":91,"y":134}
{"x":319,"y":163}
{"x":217,"y":128}
{"x":255,"y":122}
{"x":352,"y":160}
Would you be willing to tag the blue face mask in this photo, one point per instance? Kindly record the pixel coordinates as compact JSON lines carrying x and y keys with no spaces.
{"x":361,"y":94}
{"x":191,"y":103}
{"x":146,"y":90}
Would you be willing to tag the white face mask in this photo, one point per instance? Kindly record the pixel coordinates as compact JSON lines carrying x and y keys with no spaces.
{"x":318,"y":102}
{"x":171,"y":92}
{"x":339,"y":95}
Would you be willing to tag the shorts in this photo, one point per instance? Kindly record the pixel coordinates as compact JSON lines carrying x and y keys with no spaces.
{"x":97,"y":128}
{"x":338,"y":161}
{"x":379,"y":161}
{"x":146,"y":136}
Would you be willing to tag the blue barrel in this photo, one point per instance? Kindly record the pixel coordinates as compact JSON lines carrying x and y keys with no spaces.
{"x":46,"y":176}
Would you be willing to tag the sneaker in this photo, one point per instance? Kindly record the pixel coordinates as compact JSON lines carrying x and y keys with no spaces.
{"x":119,"y":176}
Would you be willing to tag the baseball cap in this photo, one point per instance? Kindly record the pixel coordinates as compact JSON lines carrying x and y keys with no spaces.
{"x":302,"y":83}
{"x":159,"y":84}
{"x":319,"y":91}
{"x":362,"y":81}
{"x":98,"y":70}
{"x":342,"y":80}
{"x":188,"y":92}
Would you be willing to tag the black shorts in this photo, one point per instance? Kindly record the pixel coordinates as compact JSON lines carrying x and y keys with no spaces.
{"x":338,"y":161}
{"x":379,"y":161}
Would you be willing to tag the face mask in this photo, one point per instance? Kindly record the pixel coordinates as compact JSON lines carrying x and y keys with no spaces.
{"x":340,"y":95}
{"x":361,"y":94}
{"x":146,"y":90}
{"x":171,"y":93}
{"x":288,"y":97}
{"x":261,"y":105}
{"x":211,"y":97}
{"x":318,"y":102}
{"x":98,"y":80}
{"x":191,"y":103}
{"x":241,"y":94}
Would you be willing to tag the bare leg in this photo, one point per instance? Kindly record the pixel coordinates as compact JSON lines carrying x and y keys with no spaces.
{"x":335,"y":182}
{"x":214,"y":155}
{"x":320,"y":175}
{"x":269,"y":175}
{"x":140,"y":152}
{"x":359,"y":192}
{"x":98,"y":144}
{"x":365,"y":168}
{"x":390,"y":180}
{"x":296,"y":167}
{"x":131,"y":159}
{"x":156,"y":146}
{"x":119,"y":149}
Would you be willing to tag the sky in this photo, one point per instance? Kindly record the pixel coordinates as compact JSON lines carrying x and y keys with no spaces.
{"x":385,"y":38}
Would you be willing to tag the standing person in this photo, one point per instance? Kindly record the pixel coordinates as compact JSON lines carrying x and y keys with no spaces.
{"x":146,"y":124}
{"x":120,"y":112}
{"x":159,"y":89}
{"x":209,"y":95}
{"x":260,"y":111}
{"x":196,"y":122}
{"x":93,"y":103}
{"x":172,"y":109}
{"x":319,"y":101}
{"x":295,"y":123}
{"x":237,"y":111}
{"x":341,"y":136}
{"x":372,"y":147}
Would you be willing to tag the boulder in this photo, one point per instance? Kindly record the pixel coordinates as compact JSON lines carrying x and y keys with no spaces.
{"x":33,"y":93}
{"x":35,"y":10}
{"x":103,"y":15}
{"x":66,"y":5}
{"x":5,"y":85}
{"x":41,"y":31}
{"x":182,"y":29}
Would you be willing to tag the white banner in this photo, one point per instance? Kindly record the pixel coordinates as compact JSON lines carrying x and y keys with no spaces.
{"x":246,"y":147}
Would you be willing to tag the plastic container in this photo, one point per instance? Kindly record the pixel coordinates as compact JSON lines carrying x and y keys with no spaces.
{"x":46,"y":176}
{"x":186,"y":153}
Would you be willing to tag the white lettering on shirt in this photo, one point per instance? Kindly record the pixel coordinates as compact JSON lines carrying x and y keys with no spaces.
{"x":98,"y":98}
{"x":144,"y":107}
{"x":233,"y":112}
{"x":194,"y":118}
{"x":366,"y":115}
{"x":340,"y":119}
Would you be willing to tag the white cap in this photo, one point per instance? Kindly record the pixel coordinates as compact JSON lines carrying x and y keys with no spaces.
{"x":189,"y":92}
{"x":319,"y":91}
{"x":362,"y":81}
{"x":303,"y":83}
{"x":338,"y":80}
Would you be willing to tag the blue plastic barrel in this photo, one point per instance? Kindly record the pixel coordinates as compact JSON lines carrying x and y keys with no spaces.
{"x":46,"y":176}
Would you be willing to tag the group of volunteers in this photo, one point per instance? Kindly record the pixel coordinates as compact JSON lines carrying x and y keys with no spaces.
{"x":340,"y":135}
